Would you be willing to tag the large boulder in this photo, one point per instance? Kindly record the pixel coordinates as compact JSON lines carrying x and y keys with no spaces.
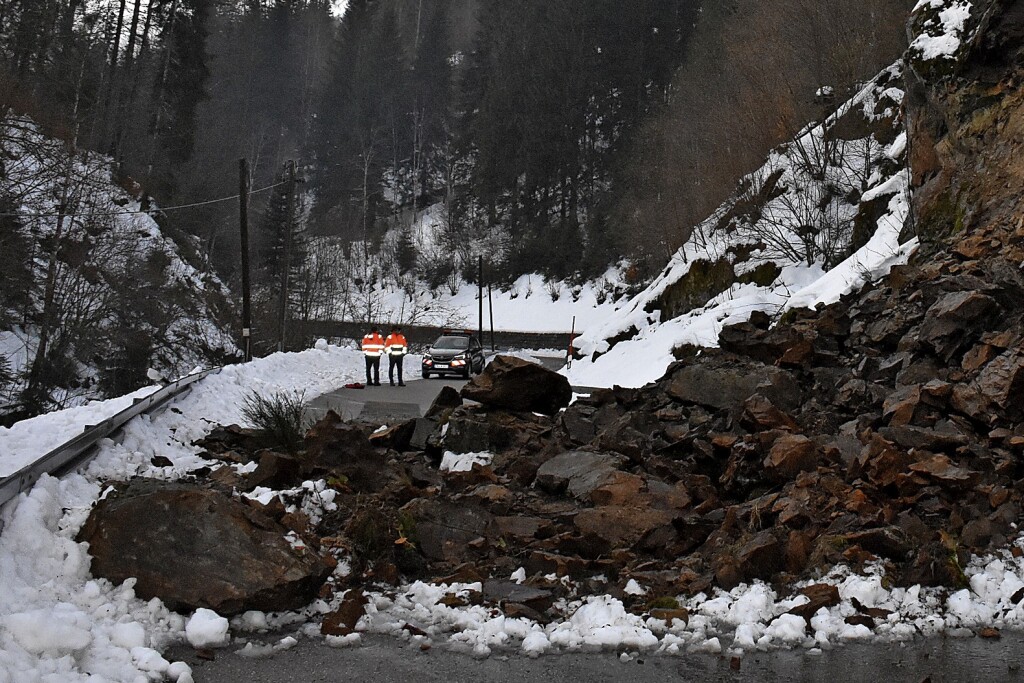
{"x":193,"y":547}
{"x":948,"y":321}
{"x":515,"y":384}
{"x":725,"y":384}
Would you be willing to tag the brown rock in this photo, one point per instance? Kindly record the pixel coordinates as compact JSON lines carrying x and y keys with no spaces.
{"x":515,"y":384}
{"x":619,"y":488}
{"x":726,"y":386}
{"x":621,"y":527}
{"x":521,"y":528}
{"x":948,"y":318}
{"x":343,"y":620}
{"x":579,"y":471}
{"x":193,"y":547}
{"x":396,"y":437}
{"x":444,"y":530}
{"x":978,"y":356}
{"x":472,"y":430}
{"x":759,"y":413}
{"x":760,"y":557}
{"x":500,"y":591}
{"x":447,"y":399}
{"x":227,"y":477}
{"x":997,"y":389}
{"x":887,"y":541}
{"x":942,"y":469}
{"x":901,"y":406}
{"x":790,"y":455}
{"x":540,"y":562}
{"x":820,"y":595}
{"x":275,"y":471}
{"x":801,"y":354}
{"x":335,"y":446}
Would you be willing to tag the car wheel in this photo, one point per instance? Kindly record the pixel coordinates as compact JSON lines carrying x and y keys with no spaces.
{"x":426,"y":375}
{"x":467,"y":372}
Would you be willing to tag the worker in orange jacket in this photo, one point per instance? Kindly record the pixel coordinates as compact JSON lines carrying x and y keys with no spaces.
{"x":373,"y":347}
{"x":396,"y":347}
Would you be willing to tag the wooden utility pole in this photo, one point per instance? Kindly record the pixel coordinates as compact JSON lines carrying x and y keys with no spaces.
{"x":480,"y":285}
{"x":490,"y":314}
{"x":243,"y":224}
{"x":286,"y":265}
{"x":572,"y":340}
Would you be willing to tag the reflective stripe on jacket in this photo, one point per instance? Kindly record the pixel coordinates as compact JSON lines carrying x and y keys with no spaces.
{"x":373,"y":344}
{"x":396,"y":345}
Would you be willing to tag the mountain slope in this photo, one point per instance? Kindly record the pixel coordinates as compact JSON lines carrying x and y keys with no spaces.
{"x":823,"y":215}
{"x":109,"y":293}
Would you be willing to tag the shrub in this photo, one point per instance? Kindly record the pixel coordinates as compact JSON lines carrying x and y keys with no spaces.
{"x":280,"y":418}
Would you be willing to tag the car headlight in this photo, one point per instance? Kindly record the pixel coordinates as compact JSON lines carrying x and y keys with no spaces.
{"x":461,"y":356}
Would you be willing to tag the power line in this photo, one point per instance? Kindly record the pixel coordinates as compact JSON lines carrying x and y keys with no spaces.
{"x":158,"y":209}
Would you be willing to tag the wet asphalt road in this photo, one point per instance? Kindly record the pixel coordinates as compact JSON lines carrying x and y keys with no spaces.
{"x":387,"y":660}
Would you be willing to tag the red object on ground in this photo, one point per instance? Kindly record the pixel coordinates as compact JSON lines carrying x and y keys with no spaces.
{"x":355,"y":385}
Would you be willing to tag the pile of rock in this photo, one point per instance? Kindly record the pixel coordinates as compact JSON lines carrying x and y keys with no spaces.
{"x":884,"y":428}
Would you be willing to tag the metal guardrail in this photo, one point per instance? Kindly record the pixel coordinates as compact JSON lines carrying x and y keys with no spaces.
{"x":80,"y":449}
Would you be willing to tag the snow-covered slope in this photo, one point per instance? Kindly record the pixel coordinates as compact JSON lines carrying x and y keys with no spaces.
{"x":822,"y":216}
{"x":125,"y":296}
{"x":358,"y":284}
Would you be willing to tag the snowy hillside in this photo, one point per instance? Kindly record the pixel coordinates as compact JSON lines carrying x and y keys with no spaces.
{"x":359,"y":284}
{"x":823,"y":215}
{"x":107,"y":289}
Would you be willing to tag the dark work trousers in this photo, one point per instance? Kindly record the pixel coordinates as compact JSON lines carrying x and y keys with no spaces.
{"x":373,"y":362}
{"x":395,"y":361}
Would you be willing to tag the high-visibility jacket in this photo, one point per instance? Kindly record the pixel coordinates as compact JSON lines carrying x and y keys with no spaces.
{"x":396,"y":345}
{"x":373,"y":344}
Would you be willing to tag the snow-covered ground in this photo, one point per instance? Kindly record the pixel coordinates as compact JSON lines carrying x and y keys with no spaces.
{"x":531,"y":304}
{"x":28,"y":440}
{"x":57,"y":623}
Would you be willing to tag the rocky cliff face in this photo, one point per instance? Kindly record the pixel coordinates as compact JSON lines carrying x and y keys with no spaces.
{"x":966,"y":130}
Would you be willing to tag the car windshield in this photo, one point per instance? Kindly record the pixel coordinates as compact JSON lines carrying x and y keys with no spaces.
{"x":452,"y":343}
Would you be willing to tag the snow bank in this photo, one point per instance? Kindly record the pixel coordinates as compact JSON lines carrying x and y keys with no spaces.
{"x":56,"y":621}
{"x":26,"y":441}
